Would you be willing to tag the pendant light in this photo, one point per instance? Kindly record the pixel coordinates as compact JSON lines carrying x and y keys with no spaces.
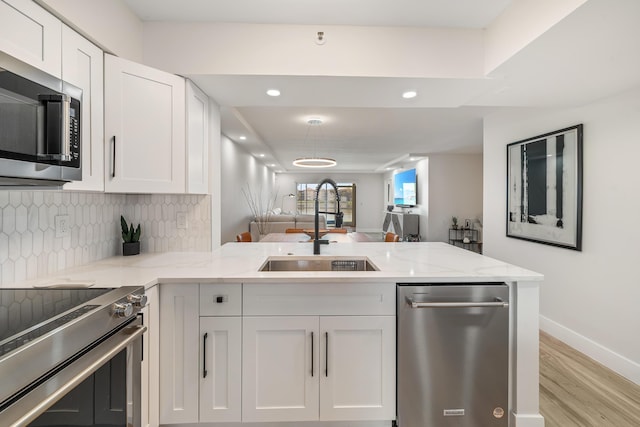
{"x":313,"y":161}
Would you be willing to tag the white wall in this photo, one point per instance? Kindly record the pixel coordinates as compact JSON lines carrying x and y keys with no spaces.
{"x":589,"y":299}
{"x":455,"y":189}
{"x":291,"y":50}
{"x":448,"y":185}
{"x":238,"y":170}
{"x":215,"y":173}
{"x":519,"y":24}
{"x":108,"y":23}
{"x":369,"y":199}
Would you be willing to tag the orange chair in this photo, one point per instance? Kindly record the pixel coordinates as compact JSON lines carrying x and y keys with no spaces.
{"x":391,"y":237}
{"x":244,"y":237}
{"x":294,"y":230}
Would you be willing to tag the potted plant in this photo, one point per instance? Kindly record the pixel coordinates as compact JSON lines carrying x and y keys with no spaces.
{"x":454,"y":222}
{"x":130,"y":238}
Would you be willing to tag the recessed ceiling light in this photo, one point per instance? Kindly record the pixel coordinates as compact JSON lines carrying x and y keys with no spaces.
{"x":409,"y":94}
{"x":271,"y":165}
{"x":273,"y":92}
{"x":242,"y":138}
{"x":260,"y":155}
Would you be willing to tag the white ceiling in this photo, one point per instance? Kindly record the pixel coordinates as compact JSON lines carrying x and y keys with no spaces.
{"x":367,"y":125}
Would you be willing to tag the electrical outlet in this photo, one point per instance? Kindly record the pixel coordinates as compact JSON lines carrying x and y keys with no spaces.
{"x":181,"y":219}
{"x":62,"y":226}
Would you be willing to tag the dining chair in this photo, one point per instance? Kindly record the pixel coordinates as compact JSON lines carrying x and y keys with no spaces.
{"x":391,"y":237}
{"x":244,"y":237}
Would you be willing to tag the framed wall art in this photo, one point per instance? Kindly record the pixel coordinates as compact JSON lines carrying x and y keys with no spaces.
{"x":544,"y":188}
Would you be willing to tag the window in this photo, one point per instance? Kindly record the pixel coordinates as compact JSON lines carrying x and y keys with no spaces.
{"x":327,"y":201}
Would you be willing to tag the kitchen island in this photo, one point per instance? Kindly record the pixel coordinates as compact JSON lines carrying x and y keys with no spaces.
{"x":194,"y":276}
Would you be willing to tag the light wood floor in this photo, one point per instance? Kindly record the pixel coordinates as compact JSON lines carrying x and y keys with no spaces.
{"x":577,"y":391}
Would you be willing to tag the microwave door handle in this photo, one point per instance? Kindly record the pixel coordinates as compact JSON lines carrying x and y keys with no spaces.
{"x":65,"y":150}
{"x":57,"y":115}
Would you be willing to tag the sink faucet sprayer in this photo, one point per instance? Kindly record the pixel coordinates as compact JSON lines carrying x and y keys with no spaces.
{"x":316,"y":240}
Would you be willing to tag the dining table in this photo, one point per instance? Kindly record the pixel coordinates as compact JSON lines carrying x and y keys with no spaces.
{"x":308,"y":237}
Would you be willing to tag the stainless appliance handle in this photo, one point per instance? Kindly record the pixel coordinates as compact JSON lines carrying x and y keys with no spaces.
{"x":65,"y":150}
{"x":56,"y":143}
{"x":31,"y":406}
{"x":497,"y":303}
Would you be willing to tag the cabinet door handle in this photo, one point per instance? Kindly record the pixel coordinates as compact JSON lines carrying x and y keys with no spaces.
{"x":204,"y":355}
{"x":113,"y":160}
{"x":326,"y":354}
{"x":312,"y":353}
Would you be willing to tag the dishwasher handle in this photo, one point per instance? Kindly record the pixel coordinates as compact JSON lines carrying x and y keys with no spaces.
{"x":499,"y":303}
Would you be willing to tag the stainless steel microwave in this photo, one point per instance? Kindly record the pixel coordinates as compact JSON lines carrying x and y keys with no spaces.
{"x":39,"y":127}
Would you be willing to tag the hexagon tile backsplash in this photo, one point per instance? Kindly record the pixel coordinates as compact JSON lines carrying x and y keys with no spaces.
{"x":30,"y":249}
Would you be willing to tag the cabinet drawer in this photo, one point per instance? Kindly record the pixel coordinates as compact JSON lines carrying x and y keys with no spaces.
{"x":300,"y":299}
{"x":220,"y":300}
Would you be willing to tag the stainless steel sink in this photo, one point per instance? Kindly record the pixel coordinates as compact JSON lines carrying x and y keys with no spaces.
{"x":318,"y":263}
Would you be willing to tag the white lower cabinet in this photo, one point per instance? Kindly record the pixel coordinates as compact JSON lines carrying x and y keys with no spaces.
{"x":280,"y":369}
{"x":191,"y":345}
{"x":150,"y":362}
{"x":358,"y":368}
{"x":327,"y":368}
{"x":220,"y":373}
{"x":179,"y":353}
{"x":231,"y":353}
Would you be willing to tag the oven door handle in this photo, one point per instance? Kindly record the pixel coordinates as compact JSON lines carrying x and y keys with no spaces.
{"x":45,"y":395}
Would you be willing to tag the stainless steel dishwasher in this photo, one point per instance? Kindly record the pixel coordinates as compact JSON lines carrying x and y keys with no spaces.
{"x":453,"y":355}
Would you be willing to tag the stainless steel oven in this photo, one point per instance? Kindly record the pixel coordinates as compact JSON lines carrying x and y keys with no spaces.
{"x":71,"y":357}
{"x":39,"y":126}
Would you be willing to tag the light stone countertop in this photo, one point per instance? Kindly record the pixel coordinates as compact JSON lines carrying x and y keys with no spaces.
{"x":239,"y":263}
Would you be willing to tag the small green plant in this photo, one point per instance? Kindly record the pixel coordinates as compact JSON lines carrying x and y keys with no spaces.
{"x":454,"y":221}
{"x":129,"y":235}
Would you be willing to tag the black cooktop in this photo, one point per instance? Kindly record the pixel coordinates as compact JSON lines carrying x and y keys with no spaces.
{"x":26,"y":314}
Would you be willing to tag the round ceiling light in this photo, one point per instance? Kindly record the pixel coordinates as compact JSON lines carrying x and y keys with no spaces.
{"x":273,"y":92}
{"x":314,"y":162}
{"x":409,"y":94}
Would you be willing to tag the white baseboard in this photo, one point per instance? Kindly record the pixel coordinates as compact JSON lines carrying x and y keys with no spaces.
{"x":519,"y":420}
{"x":612,"y":360}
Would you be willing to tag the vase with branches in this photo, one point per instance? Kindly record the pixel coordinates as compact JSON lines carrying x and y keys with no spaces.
{"x":261,"y":207}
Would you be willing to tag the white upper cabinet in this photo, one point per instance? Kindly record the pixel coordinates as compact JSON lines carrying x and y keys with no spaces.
{"x":197,"y":140}
{"x":144,"y":129}
{"x":31,"y":34}
{"x":82,"y":66}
